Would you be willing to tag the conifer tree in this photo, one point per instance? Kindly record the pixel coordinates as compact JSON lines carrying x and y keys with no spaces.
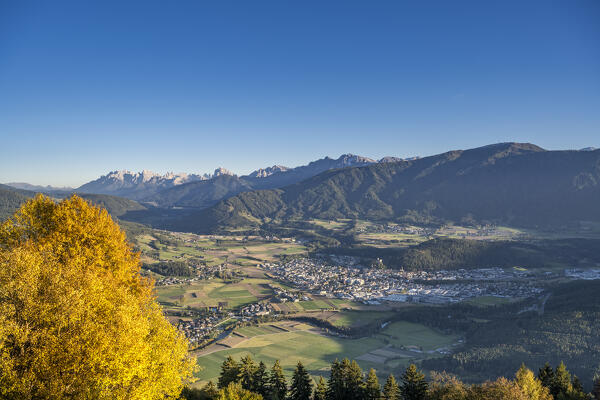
{"x":210,"y":390}
{"x":561,"y":381}
{"x":246,"y":372}
{"x":230,"y":370}
{"x":354,"y":383}
{"x":531,"y":387}
{"x":391,"y":391}
{"x":372,"y":389}
{"x":301,"y":387}
{"x":414,"y":385}
{"x":546,"y":375}
{"x":577,"y":385}
{"x":261,"y":380}
{"x":277,"y":383}
{"x":335,"y":385}
{"x":320,"y":390}
{"x":596,"y":390}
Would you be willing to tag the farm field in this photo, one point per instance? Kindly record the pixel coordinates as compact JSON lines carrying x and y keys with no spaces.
{"x":213,"y":250}
{"x":358,"y":318}
{"x":486,"y":301}
{"x":290,"y":342}
{"x":212,"y":292}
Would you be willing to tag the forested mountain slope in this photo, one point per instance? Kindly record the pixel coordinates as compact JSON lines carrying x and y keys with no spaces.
{"x":512,"y":183}
{"x":11,"y":199}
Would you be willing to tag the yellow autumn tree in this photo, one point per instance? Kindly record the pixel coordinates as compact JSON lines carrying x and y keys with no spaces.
{"x":530,"y":385}
{"x":77,"y":320}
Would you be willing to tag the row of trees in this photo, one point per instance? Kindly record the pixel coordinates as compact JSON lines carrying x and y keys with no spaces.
{"x":347,"y":381}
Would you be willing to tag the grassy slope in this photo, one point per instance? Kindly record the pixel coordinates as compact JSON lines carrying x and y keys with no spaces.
{"x":317,"y":351}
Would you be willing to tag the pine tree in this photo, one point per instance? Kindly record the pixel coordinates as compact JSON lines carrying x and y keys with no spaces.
{"x":277,"y":383}
{"x":577,"y":385}
{"x":531,"y":387}
{"x":414,"y":385}
{"x":335,"y":385}
{"x":354,"y":383}
{"x":596,"y":390}
{"x":391,"y":391}
{"x":230,"y":370}
{"x":210,"y":390}
{"x":372,"y":389}
{"x":320,"y":390}
{"x":301,"y":388}
{"x":261,"y":380}
{"x":246,"y":372}
{"x":577,"y":391}
{"x":546,"y":375}
{"x":561,"y":382}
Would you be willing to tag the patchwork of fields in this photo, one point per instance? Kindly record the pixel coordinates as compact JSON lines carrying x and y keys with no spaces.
{"x":289,"y":342}
{"x":214,"y":250}
{"x":210,"y":293}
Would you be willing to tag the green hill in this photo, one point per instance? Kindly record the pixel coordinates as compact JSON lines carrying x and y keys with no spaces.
{"x":11,"y":199}
{"x":510,"y":183}
{"x":565,"y":328}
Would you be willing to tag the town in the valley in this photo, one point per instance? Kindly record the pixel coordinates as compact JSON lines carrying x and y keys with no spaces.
{"x":311,"y":278}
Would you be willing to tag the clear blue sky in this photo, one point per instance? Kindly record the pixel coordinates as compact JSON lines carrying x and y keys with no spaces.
{"x":89,"y":87}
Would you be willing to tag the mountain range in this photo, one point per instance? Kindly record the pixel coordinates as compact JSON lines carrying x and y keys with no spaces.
{"x":517,"y":184}
{"x":512,"y":183}
{"x":204,"y":190}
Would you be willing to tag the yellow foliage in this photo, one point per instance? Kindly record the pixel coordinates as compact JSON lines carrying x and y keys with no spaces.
{"x":77,"y":320}
{"x":530,"y":385}
{"x":234,"y":391}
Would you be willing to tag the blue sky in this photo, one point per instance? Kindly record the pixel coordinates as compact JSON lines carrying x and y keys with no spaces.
{"x":191,"y":85}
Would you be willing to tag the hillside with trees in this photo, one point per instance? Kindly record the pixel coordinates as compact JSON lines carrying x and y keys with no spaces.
{"x":446,"y":254}
{"x":246,"y":379}
{"x":510,"y":183}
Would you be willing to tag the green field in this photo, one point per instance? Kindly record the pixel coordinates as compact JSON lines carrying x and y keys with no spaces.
{"x":210,"y":293}
{"x":406,"y":334}
{"x":359,"y":318}
{"x":213,"y":250}
{"x":386,"y":352}
{"x":486,"y":301}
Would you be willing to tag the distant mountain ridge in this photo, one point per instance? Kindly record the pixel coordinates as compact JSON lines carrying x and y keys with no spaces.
{"x":38,"y":188}
{"x":514,"y":183}
{"x":139,"y":185}
{"x":201,"y":191}
{"x":207,"y":193}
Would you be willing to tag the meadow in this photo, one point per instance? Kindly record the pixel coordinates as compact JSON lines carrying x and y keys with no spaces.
{"x":210,"y":293}
{"x":289,"y":342}
{"x":213,"y":249}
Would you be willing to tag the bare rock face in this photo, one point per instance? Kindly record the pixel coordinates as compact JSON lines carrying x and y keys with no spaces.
{"x":264,"y":172}
{"x":137,"y":185}
{"x":222,"y":171}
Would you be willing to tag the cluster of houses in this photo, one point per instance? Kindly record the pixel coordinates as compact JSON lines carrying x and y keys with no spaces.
{"x":373,"y":285}
{"x":172,"y":280}
{"x":200,"y":329}
{"x":203,"y":272}
{"x":253,"y":310}
{"x":590,"y":274}
{"x":283,"y":295}
{"x":483,"y":231}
